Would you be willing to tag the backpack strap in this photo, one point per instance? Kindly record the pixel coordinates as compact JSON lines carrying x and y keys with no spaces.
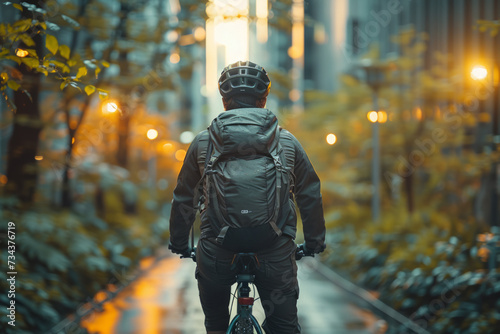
{"x":198,"y":198}
{"x":280,"y":169}
{"x":288,"y":156}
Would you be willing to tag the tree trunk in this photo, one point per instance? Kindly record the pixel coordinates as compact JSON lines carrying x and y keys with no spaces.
{"x":123,"y":134}
{"x":67,"y":200}
{"x":22,"y":169}
{"x":66,"y":197}
{"x":124,"y":121}
{"x":409,"y":193}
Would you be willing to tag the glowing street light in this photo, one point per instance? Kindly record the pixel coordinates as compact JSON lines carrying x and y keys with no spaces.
{"x":377,"y":117}
{"x":382,"y":117}
{"x":372,"y":116}
{"x":110,"y":107}
{"x":331,"y":139}
{"x":152,"y":134}
{"x":479,"y":72}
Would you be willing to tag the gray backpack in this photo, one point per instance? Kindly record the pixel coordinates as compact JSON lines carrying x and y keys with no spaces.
{"x":246,"y":181}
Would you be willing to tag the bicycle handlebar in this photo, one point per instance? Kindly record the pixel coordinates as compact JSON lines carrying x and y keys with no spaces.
{"x":191,"y":254}
{"x":300,"y":252}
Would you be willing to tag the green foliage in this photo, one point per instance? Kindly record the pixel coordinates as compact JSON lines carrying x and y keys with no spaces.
{"x":424,"y":246}
{"x":420,"y":269}
{"x":427,"y":156}
{"x":64,"y":258}
{"x":18,"y":47}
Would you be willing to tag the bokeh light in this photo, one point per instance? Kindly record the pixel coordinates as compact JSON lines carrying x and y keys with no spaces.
{"x":479,"y":72}
{"x":21,"y":53}
{"x":294,"y":95}
{"x":110,"y":107}
{"x":152,"y":134}
{"x":331,"y":139}
{"x":372,"y":116}
{"x":180,"y":154}
{"x":199,"y":34}
{"x":186,"y":137}
{"x":175,"y":58}
{"x":382,"y":117}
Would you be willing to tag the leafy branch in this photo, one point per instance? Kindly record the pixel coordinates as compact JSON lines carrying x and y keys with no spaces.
{"x":18,"y":46}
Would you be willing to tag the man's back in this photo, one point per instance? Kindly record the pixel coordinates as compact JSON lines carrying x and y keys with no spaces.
{"x":285,"y":176}
{"x":305,"y":184}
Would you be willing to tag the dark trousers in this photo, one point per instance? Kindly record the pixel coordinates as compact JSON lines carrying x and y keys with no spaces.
{"x":275,"y":279}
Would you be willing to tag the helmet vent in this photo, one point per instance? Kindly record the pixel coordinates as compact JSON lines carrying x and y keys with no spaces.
{"x":244,"y":77}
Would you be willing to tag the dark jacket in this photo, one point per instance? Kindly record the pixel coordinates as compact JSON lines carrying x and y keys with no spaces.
{"x":306,"y":190}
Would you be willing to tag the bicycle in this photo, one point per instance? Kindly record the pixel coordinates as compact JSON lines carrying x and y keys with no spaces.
{"x":244,"y":322}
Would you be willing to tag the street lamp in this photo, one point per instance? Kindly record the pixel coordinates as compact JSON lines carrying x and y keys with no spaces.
{"x":152,"y":134}
{"x":331,"y":139}
{"x":375,"y":77}
{"x":487,"y":89}
{"x":374,"y":116}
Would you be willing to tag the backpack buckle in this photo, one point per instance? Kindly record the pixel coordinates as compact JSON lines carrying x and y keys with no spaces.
{"x":201,"y":203}
{"x":278,"y":164}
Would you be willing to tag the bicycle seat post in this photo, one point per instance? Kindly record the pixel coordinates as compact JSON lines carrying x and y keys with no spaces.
{"x":244,"y":276}
{"x":244,"y":321}
{"x":244,"y":280}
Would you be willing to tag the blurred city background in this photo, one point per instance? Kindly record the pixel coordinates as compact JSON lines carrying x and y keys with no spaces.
{"x":396,"y":102}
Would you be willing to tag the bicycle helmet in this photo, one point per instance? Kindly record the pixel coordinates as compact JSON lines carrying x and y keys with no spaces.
{"x":244,"y":77}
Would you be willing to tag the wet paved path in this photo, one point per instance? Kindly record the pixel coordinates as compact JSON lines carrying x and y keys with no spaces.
{"x":165,"y":301}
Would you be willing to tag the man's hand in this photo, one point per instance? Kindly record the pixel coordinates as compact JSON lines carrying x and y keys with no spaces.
{"x":311,"y":252}
{"x":302,"y":251}
{"x":186,"y":252}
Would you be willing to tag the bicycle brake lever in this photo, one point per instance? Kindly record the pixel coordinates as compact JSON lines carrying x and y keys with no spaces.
{"x":191,"y":255}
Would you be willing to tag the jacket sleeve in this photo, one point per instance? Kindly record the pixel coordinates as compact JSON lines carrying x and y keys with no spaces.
{"x":183,"y":213}
{"x":309,"y":200}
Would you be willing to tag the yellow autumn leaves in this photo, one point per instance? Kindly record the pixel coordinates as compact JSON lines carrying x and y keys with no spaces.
{"x":20,"y":46}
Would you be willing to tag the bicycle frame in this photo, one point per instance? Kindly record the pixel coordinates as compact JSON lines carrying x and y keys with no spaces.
{"x":244,"y":308}
{"x":243,"y":279}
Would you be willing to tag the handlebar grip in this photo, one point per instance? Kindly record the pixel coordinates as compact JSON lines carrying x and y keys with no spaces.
{"x":301,"y":252}
{"x":190,"y":255}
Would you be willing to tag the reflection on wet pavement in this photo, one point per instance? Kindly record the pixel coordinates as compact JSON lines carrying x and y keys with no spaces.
{"x":165,"y":301}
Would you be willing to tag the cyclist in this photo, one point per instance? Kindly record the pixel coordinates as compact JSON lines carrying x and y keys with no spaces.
{"x":276,"y":275}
